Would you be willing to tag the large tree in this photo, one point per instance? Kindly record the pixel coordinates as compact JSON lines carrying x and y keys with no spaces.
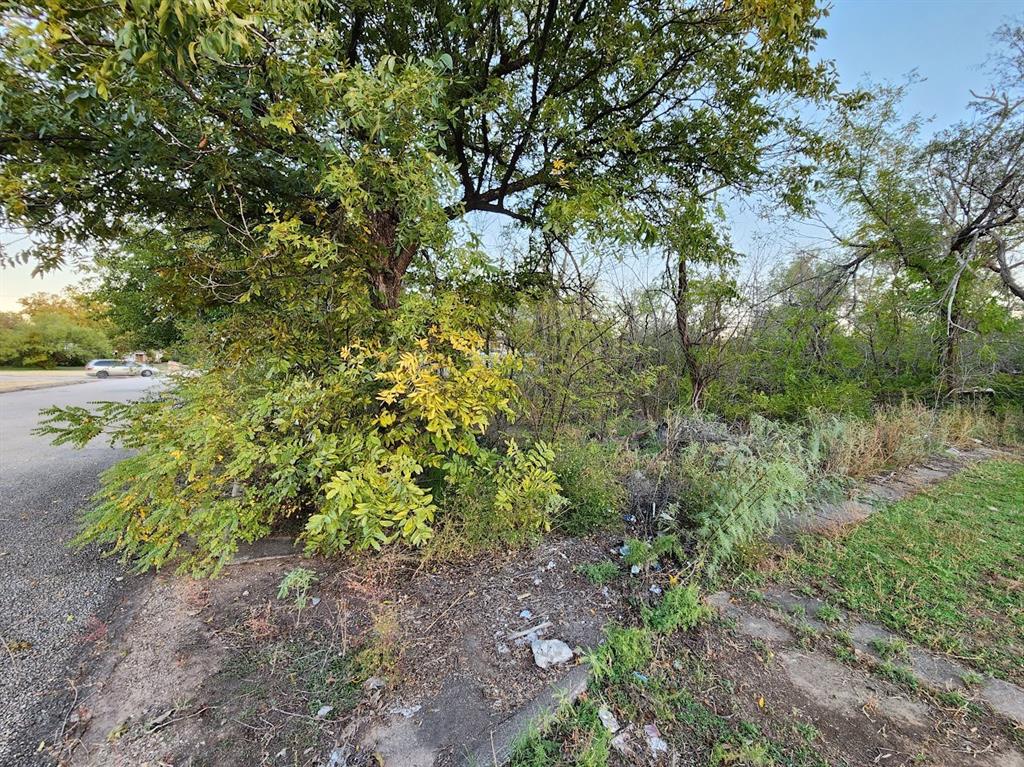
{"x":200,"y":115}
{"x":945,"y":210}
{"x":303,"y":170}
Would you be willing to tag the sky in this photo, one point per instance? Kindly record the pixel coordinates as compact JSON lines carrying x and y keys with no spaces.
{"x":945,"y":41}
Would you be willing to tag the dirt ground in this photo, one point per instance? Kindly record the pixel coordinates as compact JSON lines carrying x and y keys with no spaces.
{"x":416,"y":665}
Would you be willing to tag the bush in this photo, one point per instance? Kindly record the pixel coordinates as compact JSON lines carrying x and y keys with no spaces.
{"x":354,"y":450}
{"x":590,"y":483}
{"x":735,"y":492}
{"x":498,"y":503}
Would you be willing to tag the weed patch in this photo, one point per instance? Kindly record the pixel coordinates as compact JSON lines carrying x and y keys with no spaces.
{"x":599,"y":573}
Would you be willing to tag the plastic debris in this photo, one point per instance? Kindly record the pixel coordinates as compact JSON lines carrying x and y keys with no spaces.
{"x":608,"y":719}
{"x":654,"y":740}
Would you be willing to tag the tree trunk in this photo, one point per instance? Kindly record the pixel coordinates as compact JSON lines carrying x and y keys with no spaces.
{"x":691,"y":360}
{"x":392,"y":260}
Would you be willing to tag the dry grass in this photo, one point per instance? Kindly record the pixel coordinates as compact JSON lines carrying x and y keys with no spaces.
{"x":900,"y":435}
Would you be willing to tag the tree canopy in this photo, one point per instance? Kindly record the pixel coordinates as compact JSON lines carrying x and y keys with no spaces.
{"x":375,"y":126}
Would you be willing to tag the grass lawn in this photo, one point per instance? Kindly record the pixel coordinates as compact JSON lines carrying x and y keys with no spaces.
{"x":945,"y":568}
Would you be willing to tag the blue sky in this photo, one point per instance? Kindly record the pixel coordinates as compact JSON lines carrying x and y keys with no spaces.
{"x":945,"y":41}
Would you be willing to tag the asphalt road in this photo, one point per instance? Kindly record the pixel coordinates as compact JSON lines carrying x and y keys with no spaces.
{"x":53,"y":599}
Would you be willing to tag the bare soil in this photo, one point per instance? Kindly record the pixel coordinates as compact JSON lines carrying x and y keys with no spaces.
{"x":223,"y":672}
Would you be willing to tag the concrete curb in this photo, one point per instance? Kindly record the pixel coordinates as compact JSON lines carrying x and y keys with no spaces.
{"x":495,"y":746}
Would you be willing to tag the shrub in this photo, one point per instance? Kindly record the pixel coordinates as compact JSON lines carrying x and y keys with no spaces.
{"x":736,"y":492}
{"x":496,"y":502}
{"x":590,"y":483}
{"x":354,"y":449}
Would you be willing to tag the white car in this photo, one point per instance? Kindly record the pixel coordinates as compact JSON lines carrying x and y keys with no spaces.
{"x":107,"y":368}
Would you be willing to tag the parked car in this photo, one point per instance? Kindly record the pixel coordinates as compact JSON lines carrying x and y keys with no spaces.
{"x":107,"y":368}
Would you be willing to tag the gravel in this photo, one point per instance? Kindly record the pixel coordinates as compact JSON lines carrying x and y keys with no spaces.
{"x":54,"y":601}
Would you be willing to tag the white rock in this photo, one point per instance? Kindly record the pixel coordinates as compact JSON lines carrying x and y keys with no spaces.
{"x":550,"y":652}
{"x":405,"y":711}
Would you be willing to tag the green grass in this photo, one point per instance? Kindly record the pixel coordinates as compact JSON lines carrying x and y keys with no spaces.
{"x":599,"y":573}
{"x":944,"y":568}
{"x":576,"y":737}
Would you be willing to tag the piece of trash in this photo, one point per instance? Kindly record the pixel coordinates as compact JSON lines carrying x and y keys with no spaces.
{"x":629,"y":518}
{"x":624,"y":550}
{"x":314,"y":601}
{"x":608,"y":719}
{"x":537,"y":581}
{"x":655,"y":588}
{"x":654,"y":740}
{"x":323,"y":711}
{"x":634,"y":570}
{"x":525,"y":614}
{"x":551,"y":565}
{"x":532,"y":630}
{"x":406,"y":711}
{"x":339,"y":756}
{"x":550,"y":652}
{"x":373,"y":683}
{"x":642,"y":678}
{"x":621,"y":742}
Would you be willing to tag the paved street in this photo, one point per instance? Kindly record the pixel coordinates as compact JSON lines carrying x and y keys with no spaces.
{"x":52,"y":598}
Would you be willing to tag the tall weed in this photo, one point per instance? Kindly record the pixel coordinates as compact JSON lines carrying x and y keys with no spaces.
{"x":899,"y":435}
{"x":591,"y":484}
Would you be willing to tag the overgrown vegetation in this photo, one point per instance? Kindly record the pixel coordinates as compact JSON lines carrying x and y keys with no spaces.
{"x":368,"y":374}
{"x":662,"y":694}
